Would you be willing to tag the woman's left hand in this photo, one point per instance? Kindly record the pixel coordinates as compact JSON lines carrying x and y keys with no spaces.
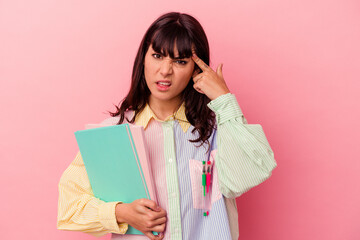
{"x":209,"y":82}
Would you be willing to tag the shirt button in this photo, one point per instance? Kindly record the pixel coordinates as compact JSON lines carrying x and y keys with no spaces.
{"x":173,"y":195}
{"x":170,"y":160}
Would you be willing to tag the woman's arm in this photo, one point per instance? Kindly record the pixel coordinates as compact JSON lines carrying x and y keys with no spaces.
{"x":79,"y":210}
{"x":244,"y":157}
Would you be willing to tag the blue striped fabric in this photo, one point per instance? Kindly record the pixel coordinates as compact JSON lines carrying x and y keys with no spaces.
{"x":194,"y":224}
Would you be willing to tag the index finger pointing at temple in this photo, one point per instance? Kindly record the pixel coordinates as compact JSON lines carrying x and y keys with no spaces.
{"x":200,"y":62}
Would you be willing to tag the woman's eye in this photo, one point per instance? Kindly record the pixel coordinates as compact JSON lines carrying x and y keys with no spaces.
{"x":156,"y":55}
{"x":181,"y":62}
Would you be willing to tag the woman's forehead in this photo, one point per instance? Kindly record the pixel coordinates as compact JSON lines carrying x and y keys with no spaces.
{"x":165,"y":51}
{"x":173,"y":52}
{"x":173,"y":45}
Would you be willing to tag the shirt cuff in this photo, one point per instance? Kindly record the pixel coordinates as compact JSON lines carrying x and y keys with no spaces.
{"x":225,"y":108}
{"x":108,"y":218}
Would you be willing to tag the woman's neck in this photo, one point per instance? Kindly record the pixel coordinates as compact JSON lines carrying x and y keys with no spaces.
{"x":164,"y":109}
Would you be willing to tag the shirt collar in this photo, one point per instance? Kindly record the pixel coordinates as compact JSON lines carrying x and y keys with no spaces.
{"x":144,"y":117}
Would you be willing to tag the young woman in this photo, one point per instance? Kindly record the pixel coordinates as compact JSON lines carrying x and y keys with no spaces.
{"x":189,"y":116}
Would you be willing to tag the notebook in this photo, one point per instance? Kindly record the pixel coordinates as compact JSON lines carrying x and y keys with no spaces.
{"x":117,"y":163}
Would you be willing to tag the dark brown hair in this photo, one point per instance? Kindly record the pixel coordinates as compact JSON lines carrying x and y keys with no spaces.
{"x":184,"y":31}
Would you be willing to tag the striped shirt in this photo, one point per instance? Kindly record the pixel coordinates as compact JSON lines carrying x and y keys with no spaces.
{"x":240,"y":157}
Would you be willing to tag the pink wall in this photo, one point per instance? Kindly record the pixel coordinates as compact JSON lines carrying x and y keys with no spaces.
{"x":293,"y":65}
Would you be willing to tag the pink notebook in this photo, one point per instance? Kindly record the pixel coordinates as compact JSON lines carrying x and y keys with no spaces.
{"x":137,"y":133}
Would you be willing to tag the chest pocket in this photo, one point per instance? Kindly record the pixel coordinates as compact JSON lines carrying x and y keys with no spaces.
{"x":196,"y":174}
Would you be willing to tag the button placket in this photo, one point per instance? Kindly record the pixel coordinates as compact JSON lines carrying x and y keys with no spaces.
{"x":172,"y":180}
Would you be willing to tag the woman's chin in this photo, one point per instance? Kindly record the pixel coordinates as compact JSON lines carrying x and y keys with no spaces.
{"x":164,"y":96}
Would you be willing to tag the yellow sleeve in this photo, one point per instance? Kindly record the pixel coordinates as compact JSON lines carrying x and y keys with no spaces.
{"x":79,"y":209}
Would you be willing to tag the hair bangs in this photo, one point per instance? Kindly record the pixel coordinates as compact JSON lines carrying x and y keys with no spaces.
{"x":164,"y":41}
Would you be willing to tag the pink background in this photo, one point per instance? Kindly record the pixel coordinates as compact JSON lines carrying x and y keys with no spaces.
{"x":293,"y":65}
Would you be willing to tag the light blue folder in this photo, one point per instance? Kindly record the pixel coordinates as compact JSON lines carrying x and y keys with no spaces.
{"x":112,"y":165}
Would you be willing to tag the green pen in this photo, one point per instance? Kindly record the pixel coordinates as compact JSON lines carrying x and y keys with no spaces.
{"x":204,"y":177}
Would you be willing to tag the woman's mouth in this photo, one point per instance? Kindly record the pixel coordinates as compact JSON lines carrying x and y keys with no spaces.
{"x":163,"y":85}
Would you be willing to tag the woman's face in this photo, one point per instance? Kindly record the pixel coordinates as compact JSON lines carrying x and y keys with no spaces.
{"x":166,"y":77}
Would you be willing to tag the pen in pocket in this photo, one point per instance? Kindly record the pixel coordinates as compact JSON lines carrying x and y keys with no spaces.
{"x":204,"y":177}
{"x":206,"y":181}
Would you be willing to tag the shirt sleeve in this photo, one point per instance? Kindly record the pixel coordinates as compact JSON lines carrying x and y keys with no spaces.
{"x":79,"y":209}
{"x":244,"y":157}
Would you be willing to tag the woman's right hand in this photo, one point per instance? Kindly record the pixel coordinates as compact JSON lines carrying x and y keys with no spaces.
{"x":144,"y":215}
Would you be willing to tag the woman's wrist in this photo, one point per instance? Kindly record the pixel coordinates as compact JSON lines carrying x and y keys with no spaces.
{"x":120,"y":211}
{"x":220,"y":94}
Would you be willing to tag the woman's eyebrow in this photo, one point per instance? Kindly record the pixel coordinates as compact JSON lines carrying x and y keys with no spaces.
{"x":176,"y":58}
{"x":180,"y":57}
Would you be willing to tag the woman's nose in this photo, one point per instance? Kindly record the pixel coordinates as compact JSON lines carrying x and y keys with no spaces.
{"x":166,"y":67}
